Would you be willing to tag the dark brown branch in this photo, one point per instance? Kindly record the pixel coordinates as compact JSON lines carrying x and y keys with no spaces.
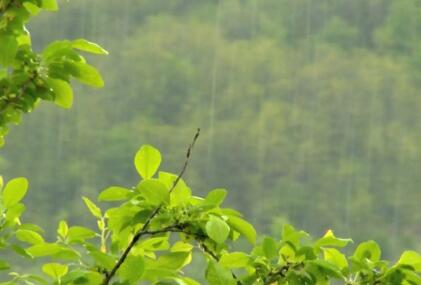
{"x":144,"y":229}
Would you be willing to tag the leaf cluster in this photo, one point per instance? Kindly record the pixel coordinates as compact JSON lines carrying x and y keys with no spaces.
{"x":152,"y":230}
{"x":27,"y":77}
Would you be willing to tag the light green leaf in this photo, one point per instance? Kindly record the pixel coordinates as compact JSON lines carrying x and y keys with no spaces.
{"x":50,"y":5}
{"x":328,"y":267}
{"x":132,"y":269}
{"x":217,"y":229}
{"x":329,"y":239}
{"x":147,"y":161}
{"x":335,"y":257}
{"x":95,"y":211}
{"x":44,"y":249}
{"x":215,"y":197}
{"x":55,"y":270}
{"x":88,"y":46}
{"x":244,"y":228}
{"x":216,"y":274}
{"x":234,"y":260}
{"x":290,"y":234}
{"x":369,"y":249}
{"x":29,"y":236}
{"x":14,"y":191}
{"x":85,"y":73}
{"x":174,"y":260}
{"x":62,"y":229}
{"x":1,"y":182}
{"x":114,"y":193}
{"x":412,"y":259}
{"x":63,"y":92}
{"x":181,"y":192}
{"x":78,"y":234}
{"x":270,"y":247}
{"x":154,"y":191}
{"x":8,"y":49}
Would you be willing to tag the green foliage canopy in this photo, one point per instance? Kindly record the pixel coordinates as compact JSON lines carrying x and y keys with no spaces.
{"x":26,"y":77}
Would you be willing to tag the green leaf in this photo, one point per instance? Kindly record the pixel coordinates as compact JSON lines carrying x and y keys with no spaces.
{"x":1,"y":182}
{"x":50,"y":5}
{"x":8,"y":49}
{"x":79,"y":234}
{"x":29,"y":236}
{"x":63,"y":92}
{"x":147,"y":161}
{"x":62,"y":229}
{"x":369,"y":249}
{"x":44,"y":249}
{"x":216,"y":274}
{"x":290,"y":234}
{"x":244,"y":228}
{"x":88,"y":46}
{"x":327,"y":267}
{"x":270,"y":247}
{"x":154,"y":191}
{"x":55,"y":270}
{"x":13,"y":213}
{"x":132,"y":269}
{"x":215,"y":197}
{"x":14,"y":191}
{"x":95,"y":211}
{"x":174,"y":260}
{"x":234,"y":260}
{"x":335,"y":257}
{"x":412,"y":259}
{"x":181,"y":192}
{"x":114,"y":193}
{"x":85,"y":73}
{"x":102,"y":259}
{"x":217,"y":229}
{"x":329,"y":239}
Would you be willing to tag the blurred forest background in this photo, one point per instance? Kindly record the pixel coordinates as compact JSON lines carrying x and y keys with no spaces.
{"x":310,"y":111}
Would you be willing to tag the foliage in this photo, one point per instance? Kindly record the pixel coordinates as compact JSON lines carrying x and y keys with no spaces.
{"x":26,"y":77}
{"x":152,"y":230}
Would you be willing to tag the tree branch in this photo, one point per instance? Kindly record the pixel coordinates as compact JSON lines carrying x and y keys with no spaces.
{"x":144,"y":229}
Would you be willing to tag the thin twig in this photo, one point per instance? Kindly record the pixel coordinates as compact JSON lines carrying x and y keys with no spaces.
{"x":144,"y":229}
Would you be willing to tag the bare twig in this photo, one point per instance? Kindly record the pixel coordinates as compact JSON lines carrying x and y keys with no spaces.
{"x":144,"y":229}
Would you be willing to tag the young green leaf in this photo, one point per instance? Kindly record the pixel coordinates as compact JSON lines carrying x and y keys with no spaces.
{"x":216,"y":274}
{"x":215,"y":197}
{"x":85,"y":73}
{"x":154,"y":191}
{"x":14,"y":191}
{"x":369,"y":249}
{"x":114,"y":193}
{"x":55,"y":270}
{"x":132,"y":269}
{"x":88,"y":46}
{"x":234,"y":260}
{"x":95,"y":211}
{"x":244,"y":228}
{"x":412,"y":259}
{"x":62,"y":91}
{"x":29,"y":236}
{"x":8,"y":49}
{"x":217,"y":229}
{"x":62,"y":229}
{"x":335,"y":257}
{"x":329,"y":239}
{"x":270,"y":247}
{"x":147,"y":161}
